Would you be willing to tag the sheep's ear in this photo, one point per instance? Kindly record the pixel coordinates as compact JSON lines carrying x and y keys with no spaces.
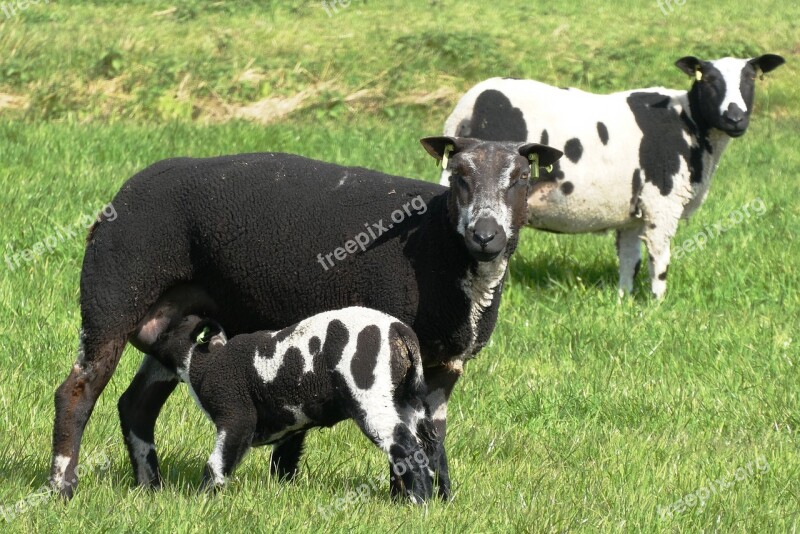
{"x":437,"y":146}
{"x":767,"y":62}
{"x":689,"y":64}
{"x":547,"y":155}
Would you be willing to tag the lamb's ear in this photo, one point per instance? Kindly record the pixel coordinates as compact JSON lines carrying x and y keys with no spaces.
{"x":436,"y":146}
{"x":689,"y":65}
{"x":218,"y":340}
{"x":767,"y":62}
{"x":547,"y":154}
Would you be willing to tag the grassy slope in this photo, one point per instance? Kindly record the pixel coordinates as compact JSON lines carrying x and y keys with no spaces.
{"x":582,"y":414}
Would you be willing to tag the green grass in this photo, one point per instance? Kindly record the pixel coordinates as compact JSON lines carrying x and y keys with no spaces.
{"x":582,"y":414}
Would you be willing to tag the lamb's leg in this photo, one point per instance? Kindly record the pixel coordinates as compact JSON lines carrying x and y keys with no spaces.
{"x":139,"y":407}
{"x":286,"y":456}
{"x":440,"y":381}
{"x":629,"y":251}
{"x":75,"y":399}
{"x":233,"y":442}
{"x":657,"y":238}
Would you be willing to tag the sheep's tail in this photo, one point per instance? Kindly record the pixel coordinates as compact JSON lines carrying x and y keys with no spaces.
{"x":412,"y":389}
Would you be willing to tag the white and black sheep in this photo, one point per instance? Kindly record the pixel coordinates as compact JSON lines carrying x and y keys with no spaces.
{"x":636,"y":161}
{"x":239,"y":238}
{"x":258,"y":389}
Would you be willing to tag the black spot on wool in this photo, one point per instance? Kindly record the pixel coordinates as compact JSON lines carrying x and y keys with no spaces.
{"x":662,"y":145}
{"x":314,"y":345}
{"x":362,"y":366}
{"x":636,"y":191}
{"x":336,"y":339}
{"x":495,"y":119}
{"x":567,"y":188}
{"x":602,"y":132}
{"x":573,"y":149}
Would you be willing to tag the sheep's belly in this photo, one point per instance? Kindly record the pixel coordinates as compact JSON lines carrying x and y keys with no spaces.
{"x":271,"y":438}
{"x":553,"y":207}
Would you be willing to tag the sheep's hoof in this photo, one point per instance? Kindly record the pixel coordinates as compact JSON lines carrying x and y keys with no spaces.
{"x":64,"y":490}
{"x":209,"y":484}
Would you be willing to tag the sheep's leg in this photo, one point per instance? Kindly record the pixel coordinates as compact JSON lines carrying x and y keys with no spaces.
{"x":75,"y":399}
{"x":440,"y":382}
{"x":629,"y":251}
{"x":657,"y":238}
{"x":233,"y":442}
{"x":138,"y":408}
{"x":286,"y":456}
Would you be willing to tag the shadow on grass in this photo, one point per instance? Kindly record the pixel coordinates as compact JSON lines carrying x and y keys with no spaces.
{"x":547,"y":272}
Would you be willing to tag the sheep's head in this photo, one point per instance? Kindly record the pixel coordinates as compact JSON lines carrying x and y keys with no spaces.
{"x":722,"y":93}
{"x":489,"y":186}
{"x":189,"y":332}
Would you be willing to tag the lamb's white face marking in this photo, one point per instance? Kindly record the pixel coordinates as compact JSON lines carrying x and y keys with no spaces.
{"x":141,"y":449}
{"x":215,"y":460}
{"x":731,"y":70}
{"x":61,"y":462}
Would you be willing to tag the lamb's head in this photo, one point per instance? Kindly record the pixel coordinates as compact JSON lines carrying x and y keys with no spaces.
{"x":185,"y":334}
{"x":489,"y":186}
{"x":722,"y":93}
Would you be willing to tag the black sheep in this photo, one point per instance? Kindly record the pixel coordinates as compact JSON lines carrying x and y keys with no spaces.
{"x":238,"y":238}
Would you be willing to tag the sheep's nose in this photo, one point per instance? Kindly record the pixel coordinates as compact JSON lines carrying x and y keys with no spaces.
{"x":484,"y":232}
{"x":733,"y":114}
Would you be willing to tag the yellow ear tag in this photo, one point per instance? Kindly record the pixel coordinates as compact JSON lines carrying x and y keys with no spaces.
{"x":534,"y":159}
{"x":549,"y":168}
{"x":698,"y":75}
{"x":203,"y":337}
{"x":445,"y":156}
{"x":760,"y":74}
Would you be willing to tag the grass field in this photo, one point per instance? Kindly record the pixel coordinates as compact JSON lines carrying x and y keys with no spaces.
{"x":583,"y":414}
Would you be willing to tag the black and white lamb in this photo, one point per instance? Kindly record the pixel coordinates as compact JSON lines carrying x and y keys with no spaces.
{"x":251,"y":240}
{"x":258,"y":389}
{"x":636,"y":161}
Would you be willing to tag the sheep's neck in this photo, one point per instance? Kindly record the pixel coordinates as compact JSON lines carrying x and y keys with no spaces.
{"x":712,"y":140}
{"x":482,"y":285}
